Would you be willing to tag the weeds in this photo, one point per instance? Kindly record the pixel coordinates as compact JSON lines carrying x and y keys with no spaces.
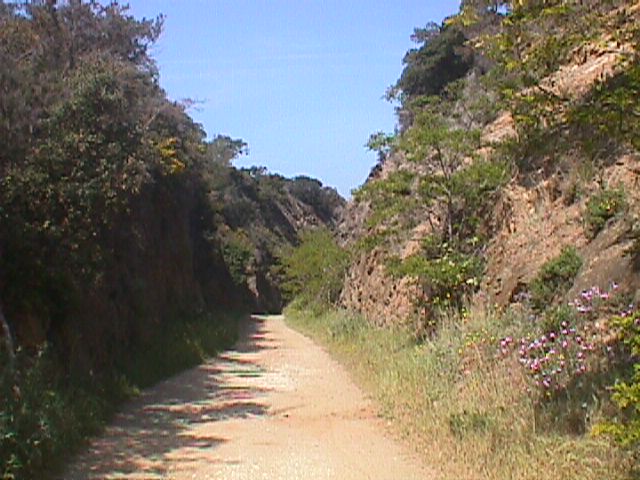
{"x":46,"y":413}
{"x":464,"y":408}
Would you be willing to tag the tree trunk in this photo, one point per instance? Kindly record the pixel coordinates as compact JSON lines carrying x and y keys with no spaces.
{"x":8,"y":340}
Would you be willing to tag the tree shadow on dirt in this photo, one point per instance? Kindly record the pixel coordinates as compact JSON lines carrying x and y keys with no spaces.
{"x":159,"y":432}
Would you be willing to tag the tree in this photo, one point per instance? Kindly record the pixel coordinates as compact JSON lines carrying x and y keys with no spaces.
{"x":314,"y":270}
{"x":441,"y":58}
{"x":224,"y":149}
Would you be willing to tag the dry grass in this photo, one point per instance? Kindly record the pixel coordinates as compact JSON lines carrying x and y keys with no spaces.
{"x":465,"y":411}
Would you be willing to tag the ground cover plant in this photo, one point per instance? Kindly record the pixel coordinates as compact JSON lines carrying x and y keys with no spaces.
{"x":489,"y":394}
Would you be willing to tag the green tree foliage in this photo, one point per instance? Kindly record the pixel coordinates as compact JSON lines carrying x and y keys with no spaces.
{"x":223,"y":149}
{"x":314,"y":270}
{"x":237,"y":251}
{"x":609,"y":117}
{"x":382,"y":143}
{"x":441,"y":57}
{"x":625,"y":426}
{"x":533,"y":40}
{"x":447,"y":273}
{"x":447,"y":186}
{"x":104,"y":192}
{"x":38,"y":45}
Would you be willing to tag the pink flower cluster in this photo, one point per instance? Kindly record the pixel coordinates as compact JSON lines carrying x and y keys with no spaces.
{"x":590,"y":300}
{"x":556,"y":358}
{"x":553,"y":359}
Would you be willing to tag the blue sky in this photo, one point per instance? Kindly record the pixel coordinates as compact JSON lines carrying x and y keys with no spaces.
{"x":301,"y":81}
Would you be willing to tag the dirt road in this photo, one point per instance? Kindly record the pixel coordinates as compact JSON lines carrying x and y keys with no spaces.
{"x":275,"y":407}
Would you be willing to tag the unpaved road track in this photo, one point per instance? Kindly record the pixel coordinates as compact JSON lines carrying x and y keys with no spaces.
{"x":275,"y":407}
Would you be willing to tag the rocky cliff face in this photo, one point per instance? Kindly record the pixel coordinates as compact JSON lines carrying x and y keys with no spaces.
{"x":535,"y":216}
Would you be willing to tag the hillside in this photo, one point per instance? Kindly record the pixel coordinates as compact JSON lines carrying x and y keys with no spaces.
{"x":482,"y":284}
{"x":129,"y":243}
{"x":540,"y":203}
{"x":496,"y":244}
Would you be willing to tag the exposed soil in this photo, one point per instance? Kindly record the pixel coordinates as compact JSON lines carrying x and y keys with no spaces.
{"x":275,"y":407}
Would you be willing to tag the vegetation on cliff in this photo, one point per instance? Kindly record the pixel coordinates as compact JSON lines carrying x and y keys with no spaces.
{"x":124,"y":231}
{"x":540,"y":102}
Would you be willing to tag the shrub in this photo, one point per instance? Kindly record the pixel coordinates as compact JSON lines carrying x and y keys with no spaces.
{"x":555,"y":278}
{"x":602,"y":207}
{"x":314,"y":270}
{"x":625,"y":428}
{"x":568,"y":364}
{"x":446,"y":278}
{"x":552,"y":361}
{"x":42,"y":417}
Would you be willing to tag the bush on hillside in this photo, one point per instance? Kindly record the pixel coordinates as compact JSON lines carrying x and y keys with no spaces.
{"x":603,"y":206}
{"x":625,"y":427}
{"x":555,"y":278}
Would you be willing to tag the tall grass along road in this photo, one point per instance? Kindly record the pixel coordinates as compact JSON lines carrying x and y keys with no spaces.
{"x":275,"y":407}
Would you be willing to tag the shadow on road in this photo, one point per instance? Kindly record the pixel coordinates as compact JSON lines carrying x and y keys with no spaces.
{"x":166,"y":425}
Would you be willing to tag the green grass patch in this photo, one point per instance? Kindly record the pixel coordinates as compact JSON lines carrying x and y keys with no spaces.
{"x":466,"y":411}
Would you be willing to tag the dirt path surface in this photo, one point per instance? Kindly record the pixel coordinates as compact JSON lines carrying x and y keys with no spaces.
{"x":275,"y":407}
